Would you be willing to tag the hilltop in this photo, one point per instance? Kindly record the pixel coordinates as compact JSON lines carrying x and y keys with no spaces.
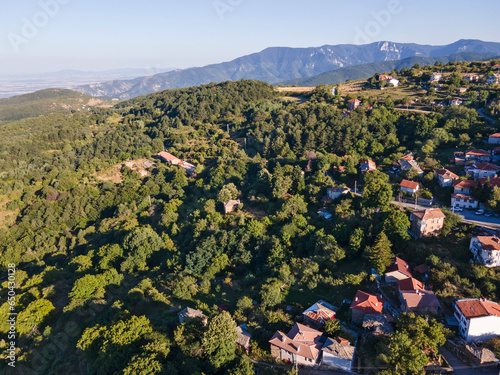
{"x":45,"y":102}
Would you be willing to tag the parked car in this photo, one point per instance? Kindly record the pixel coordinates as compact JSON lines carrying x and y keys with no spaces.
{"x":480,"y":212}
{"x":458,"y":209}
{"x":489,"y":213}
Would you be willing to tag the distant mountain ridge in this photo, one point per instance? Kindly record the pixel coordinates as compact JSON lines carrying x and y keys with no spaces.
{"x":367,"y":70}
{"x":279,"y":64}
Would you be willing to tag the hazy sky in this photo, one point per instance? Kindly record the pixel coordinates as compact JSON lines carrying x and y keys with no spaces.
{"x":50,"y":35}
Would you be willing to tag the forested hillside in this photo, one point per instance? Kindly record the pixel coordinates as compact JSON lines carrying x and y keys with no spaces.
{"x":106,"y":257}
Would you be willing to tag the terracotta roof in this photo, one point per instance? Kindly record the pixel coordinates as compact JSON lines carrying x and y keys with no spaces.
{"x":422,"y":268}
{"x":410,"y":284}
{"x":339,"y":348}
{"x":445,"y":173}
{"x":430,"y":213}
{"x":399,"y":265}
{"x":409,"y":184}
{"x":489,"y":242}
{"x":301,"y":340}
{"x":496,"y":135}
{"x":465,"y":184}
{"x":492,"y":181}
{"x":485,"y":167}
{"x":167,"y":156}
{"x":420,"y":299}
{"x":368,"y":303}
{"x":370,"y":164}
{"x":474,"y":308}
{"x":354,"y":101}
{"x":477,"y":153}
{"x":408,"y":156}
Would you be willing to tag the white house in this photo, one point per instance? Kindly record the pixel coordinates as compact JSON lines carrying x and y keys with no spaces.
{"x":445,"y":177}
{"x":477,"y":155}
{"x":463,"y":187}
{"x":336,"y":192}
{"x":456,"y":101}
{"x":494,"y":139}
{"x":486,"y":250}
{"x":435,"y":77}
{"x":407,"y":164}
{"x":463,"y":201}
{"x":409,"y":186}
{"x":479,"y":170}
{"x":478,"y":319}
{"x":338,"y":353}
{"x":493,"y":79}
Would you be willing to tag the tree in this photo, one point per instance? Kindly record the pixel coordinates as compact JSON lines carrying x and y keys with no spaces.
{"x":380,"y":255}
{"x":396,"y":225}
{"x":227,"y":193}
{"x":377,"y":191}
{"x":270,"y":293}
{"x":188,"y":337}
{"x":33,"y":315}
{"x":327,"y":246}
{"x":404,"y":356}
{"x":292,"y":206}
{"x":450,"y":221}
{"x":331,"y":327}
{"x":241,"y":366}
{"x":219,"y":340}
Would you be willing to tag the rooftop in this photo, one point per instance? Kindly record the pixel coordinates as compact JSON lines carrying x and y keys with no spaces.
{"x":445,"y":173}
{"x":368,"y":303}
{"x":465,"y":184}
{"x":409,"y":184}
{"x":477,"y":153}
{"x":475,"y":308}
{"x":489,"y":243}
{"x":430,"y":213}
{"x":410,"y":284}
{"x":399,"y":265}
{"x":486,"y":167}
{"x":301,"y":340}
{"x":420,"y":299}
{"x":340,"y":348}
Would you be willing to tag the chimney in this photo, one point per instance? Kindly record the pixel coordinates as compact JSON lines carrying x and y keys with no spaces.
{"x":356,"y":299}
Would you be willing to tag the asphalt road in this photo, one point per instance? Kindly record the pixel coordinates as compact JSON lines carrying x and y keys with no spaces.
{"x":461,"y":368}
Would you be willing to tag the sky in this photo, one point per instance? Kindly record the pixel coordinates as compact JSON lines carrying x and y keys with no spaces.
{"x":51,"y":35}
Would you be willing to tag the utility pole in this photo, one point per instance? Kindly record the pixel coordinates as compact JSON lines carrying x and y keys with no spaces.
{"x":355,"y":186}
{"x":227,"y":128}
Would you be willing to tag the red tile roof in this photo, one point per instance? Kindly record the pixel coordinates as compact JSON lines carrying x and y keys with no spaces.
{"x":492,"y":181}
{"x":301,"y":340}
{"x":463,"y":196}
{"x":430,"y":213}
{"x":474,"y":308}
{"x":489,"y":242}
{"x":445,"y":173}
{"x":399,"y":265}
{"x":465,"y":184}
{"x":167,"y":156}
{"x":368,"y":303}
{"x":417,"y":299}
{"x":410,"y":284}
{"x":496,"y":135}
{"x":354,"y":101}
{"x":409,"y":184}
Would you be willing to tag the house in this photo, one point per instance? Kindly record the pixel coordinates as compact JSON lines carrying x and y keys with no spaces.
{"x":407,"y":164}
{"x":419,"y":302}
{"x":471,"y":77}
{"x":495,"y":155}
{"x":394,"y":82}
{"x":477,"y":155}
{"x":323,"y":212}
{"x":190,"y":168}
{"x":244,"y":337}
{"x":353,"y":104}
{"x":427,"y":222}
{"x":494,"y":139}
{"x":367,"y":166}
{"x":409,"y":186}
{"x":491,"y":182}
{"x":319,"y":313}
{"x":463,"y":201}
{"x":435,"y":77}
{"x":461,"y":90}
{"x":445,"y":177}
{"x":336,"y":192}
{"x":479,"y":170}
{"x":493,"y":79}
{"x":464,"y":186}
{"x":422,"y":270}
{"x":496,"y":66}
{"x":478,"y":319}
{"x":410,"y":284}
{"x":169,"y":158}
{"x":338,"y":353}
{"x":486,"y":250}
{"x":189,"y":313}
{"x":302,"y":345}
{"x":456,"y":101}
{"x":365,"y":303}
{"x":231,"y":205}
{"x":378,"y":324}
{"x":398,"y":270}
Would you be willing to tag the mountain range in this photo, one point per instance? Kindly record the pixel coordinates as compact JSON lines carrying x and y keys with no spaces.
{"x":280,"y":64}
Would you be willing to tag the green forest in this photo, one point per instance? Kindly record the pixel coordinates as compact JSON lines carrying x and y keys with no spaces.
{"x":105,"y":257}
